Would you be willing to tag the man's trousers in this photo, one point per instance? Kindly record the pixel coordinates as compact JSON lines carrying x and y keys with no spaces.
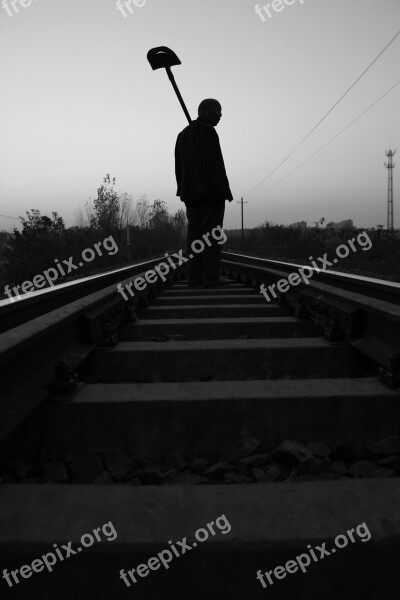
{"x":203,"y":217}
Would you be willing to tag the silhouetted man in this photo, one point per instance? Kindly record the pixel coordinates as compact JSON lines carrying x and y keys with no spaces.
{"x":203,"y":186}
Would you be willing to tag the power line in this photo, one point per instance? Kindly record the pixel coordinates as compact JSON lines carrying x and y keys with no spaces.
{"x":329,"y":141}
{"x":327,"y":114}
{"x":7,"y":217}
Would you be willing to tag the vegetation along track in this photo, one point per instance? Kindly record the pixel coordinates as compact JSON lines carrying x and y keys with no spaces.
{"x":282,"y":416}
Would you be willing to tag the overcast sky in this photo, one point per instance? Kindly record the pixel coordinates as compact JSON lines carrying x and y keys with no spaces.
{"x":79,"y":100}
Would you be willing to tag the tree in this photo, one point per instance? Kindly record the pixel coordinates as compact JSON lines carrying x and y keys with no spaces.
{"x":143,"y":212}
{"x":180,"y":221}
{"x":106,"y":206}
{"x":319,"y":223}
{"x":34,"y":248}
{"x":126,"y":213}
{"x":159,"y":216}
{"x":37,"y":225}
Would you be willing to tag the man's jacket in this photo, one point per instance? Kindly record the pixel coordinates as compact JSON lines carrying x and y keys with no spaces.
{"x":199,"y":165}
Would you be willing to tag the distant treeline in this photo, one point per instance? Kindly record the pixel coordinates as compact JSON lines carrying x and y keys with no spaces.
{"x":45,"y":240}
{"x":381,"y":260}
{"x":153,"y":230}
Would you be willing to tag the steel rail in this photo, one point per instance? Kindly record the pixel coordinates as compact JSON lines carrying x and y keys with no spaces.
{"x":40,"y":355}
{"x":368,"y":286}
{"x":30,"y":306}
{"x":361,"y":311}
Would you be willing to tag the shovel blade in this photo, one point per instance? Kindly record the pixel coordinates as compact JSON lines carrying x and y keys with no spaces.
{"x":162,"y":57}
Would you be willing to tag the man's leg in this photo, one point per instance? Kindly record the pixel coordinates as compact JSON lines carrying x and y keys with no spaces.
{"x":195,"y":264}
{"x":212,"y":216}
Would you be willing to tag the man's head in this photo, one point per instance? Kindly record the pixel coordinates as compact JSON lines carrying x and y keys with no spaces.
{"x":210,"y":110}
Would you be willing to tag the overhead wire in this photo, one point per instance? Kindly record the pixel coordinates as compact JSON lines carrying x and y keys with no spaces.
{"x":7,"y":217}
{"x":329,"y":141}
{"x":370,"y":65}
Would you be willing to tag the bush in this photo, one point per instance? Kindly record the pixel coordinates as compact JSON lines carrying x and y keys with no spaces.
{"x":298,"y":245}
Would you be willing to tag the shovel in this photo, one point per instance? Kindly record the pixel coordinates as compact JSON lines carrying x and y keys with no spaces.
{"x":164,"y":58}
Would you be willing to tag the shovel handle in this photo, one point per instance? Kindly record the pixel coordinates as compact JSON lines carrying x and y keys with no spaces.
{"x":177,"y":92}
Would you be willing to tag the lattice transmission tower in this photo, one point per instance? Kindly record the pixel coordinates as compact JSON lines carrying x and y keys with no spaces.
{"x":390,"y":166}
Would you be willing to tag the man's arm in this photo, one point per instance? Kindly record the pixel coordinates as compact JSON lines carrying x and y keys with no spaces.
{"x":214,"y":163}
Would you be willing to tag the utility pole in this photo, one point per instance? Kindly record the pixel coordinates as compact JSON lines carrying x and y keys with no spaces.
{"x":390,"y":166}
{"x":128,"y":242}
{"x":241,"y":202}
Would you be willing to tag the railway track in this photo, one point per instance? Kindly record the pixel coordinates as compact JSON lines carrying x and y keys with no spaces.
{"x":165,"y":412}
